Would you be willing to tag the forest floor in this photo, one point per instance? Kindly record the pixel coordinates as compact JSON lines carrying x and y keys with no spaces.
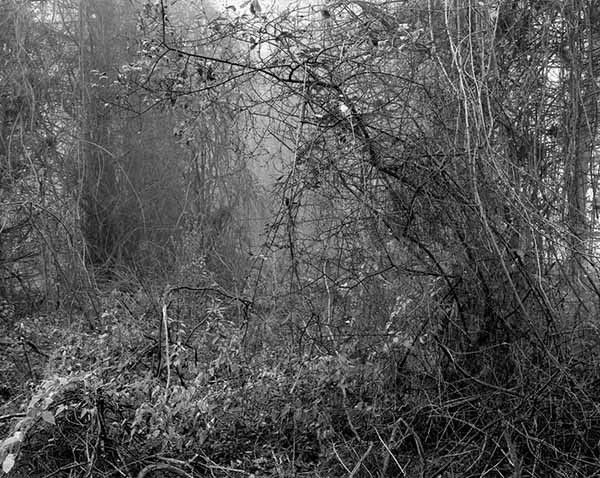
{"x":112,"y":397}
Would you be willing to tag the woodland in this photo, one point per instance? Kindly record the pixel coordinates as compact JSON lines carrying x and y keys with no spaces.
{"x":347,"y":238}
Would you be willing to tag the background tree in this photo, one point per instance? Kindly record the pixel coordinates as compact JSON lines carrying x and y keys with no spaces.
{"x":34,"y":223}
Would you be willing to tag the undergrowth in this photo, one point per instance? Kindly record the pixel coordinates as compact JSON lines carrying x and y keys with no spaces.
{"x":106,"y":402}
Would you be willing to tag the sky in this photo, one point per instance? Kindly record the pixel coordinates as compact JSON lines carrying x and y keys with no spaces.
{"x":243,"y":6}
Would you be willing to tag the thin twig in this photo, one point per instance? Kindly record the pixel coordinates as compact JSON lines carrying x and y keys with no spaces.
{"x":10,"y":416}
{"x":340,"y":459}
{"x":360,"y":462}
{"x":167,"y":357}
{"x":27,"y":360}
{"x":389,"y":453}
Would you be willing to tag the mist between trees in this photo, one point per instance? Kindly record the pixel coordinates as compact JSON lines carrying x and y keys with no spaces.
{"x":343,"y":238}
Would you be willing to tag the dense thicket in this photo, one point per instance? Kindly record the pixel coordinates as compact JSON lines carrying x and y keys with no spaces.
{"x":419,"y":296}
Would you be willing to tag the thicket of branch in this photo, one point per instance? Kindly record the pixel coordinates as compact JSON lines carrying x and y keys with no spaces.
{"x":420,"y":297}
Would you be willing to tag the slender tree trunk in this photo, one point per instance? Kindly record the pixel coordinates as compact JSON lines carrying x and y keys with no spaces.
{"x":580,"y":131}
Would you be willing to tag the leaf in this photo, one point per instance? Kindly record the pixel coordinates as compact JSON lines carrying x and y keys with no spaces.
{"x":16,"y":438}
{"x":8,"y":463}
{"x":33,"y":411}
{"x":255,"y":7}
{"x":48,"y":417}
{"x":285,"y":411}
{"x":203,"y":436}
{"x":235,"y":369}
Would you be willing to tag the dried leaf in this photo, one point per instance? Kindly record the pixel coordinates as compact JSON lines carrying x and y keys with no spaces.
{"x":16,"y":438}
{"x":8,"y":463}
{"x":48,"y":417}
{"x":255,"y":8}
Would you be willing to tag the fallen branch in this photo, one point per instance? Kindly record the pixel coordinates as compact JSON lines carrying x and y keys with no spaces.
{"x":162,"y":467}
{"x":10,"y":416}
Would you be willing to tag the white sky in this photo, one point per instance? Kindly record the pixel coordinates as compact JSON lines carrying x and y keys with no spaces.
{"x":274,"y":6}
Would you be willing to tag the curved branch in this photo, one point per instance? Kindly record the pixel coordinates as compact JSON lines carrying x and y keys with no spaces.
{"x":150,"y":469}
